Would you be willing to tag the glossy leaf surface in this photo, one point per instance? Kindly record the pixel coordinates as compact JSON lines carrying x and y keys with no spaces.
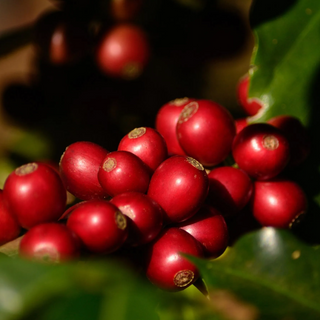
{"x":268,"y":274}
{"x":285,"y":64}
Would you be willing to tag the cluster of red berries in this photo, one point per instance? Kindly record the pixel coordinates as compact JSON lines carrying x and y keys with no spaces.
{"x":119,"y":47}
{"x":166,"y":190}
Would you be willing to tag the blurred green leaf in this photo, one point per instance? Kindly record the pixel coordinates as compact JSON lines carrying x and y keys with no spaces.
{"x":268,"y":274}
{"x":6,"y":167}
{"x":32,"y":146}
{"x":91,"y":290}
{"x":81,"y":290}
{"x":188,"y":304}
{"x":74,"y":305}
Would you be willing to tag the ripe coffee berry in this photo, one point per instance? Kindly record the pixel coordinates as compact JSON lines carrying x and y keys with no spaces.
{"x":50,"y":242}
{"x":123,"y":171}
{"x":240,"y":124}
{"x":146,"y":143}
{"x":209,"y":227}
{"x":79,"y":166}
{"x":60,"y":38}
{"x":180,"y":186}
{"x":297,"y":136}
{"x":278,"y":203}
{"x":205,"y":131}
{"x":229,"y":189}
{"x":123,"y":51}
{"x":9,"y":226}
{"x":100,"y":225}
{"x":166,"y":123}
{"x":144,"y":216}
{"x":34,"y":193}
{"x":261,"y":150}
{"x":250,"y":105}
{"x":166,"y":267}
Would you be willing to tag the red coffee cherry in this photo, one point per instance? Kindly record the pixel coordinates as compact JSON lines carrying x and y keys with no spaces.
{"x":34,"y":194}
{"x":251,"y":106}
{"x":144,"y":216}
{"x":9,"y":226}
{"x":50,"y":242}
{"x":67,"y":212}
{"x":209,"y":227}
{"x":180,"y":186}
{"x":123,"y":171}
{"x":205,"y":131}
{"x":229,"y":189}
{"x":79,"y":166}
{"x":166,"y":267}
{"x":123,"y":51}
{"x":297,"y":136}
{"x":166,"y":123}
{"x":240,"y":124}
{"x":278,"y":203}
{"x":60,"y":38}
{"x":146,"y":143}
{"x":261,"y":150}
{"x":100,"y":225}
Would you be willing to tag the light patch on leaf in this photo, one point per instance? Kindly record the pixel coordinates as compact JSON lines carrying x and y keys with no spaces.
{"x":265,"y":102}
{"x":231,"y":307}
{"x":296,"y":254}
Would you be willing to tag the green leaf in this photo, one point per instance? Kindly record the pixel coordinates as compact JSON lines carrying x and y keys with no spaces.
{"x":30,"y":290}
{"x":268,"y":274}
{"x":95,"y":290}
{"x":286,"y":60}
{"x":188,"y":304}
{"x":6,"y":167}
{"x":32,"y":145}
